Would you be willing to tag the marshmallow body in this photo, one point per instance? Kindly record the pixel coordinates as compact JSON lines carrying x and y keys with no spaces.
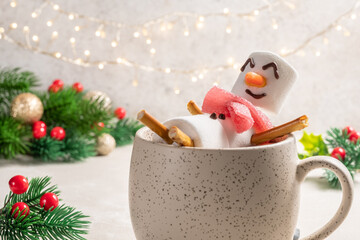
{"x":279,"y":75}
{"x":236,"y":139}
{"x":204,"y":131}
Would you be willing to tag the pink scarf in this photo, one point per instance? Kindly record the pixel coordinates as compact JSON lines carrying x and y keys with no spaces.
{"x":242,"y":113}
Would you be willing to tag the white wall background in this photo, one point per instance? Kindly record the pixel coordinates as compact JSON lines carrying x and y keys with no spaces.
{"x":327,"y":91}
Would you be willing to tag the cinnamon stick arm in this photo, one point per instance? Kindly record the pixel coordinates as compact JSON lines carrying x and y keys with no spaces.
{"x":193,"y":108}
{"x":180,"y":137}
{"x":289,"y":127}
{"x":154,"y":125}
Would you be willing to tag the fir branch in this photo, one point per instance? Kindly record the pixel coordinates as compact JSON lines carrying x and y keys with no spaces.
{"x":62,"y":223}
{"x":68,"y":109}
{"x":77,"y":148}
{"x":12,"y":83}
{"x":37,"y":188}
{"x":124,"y":131}
{"x":12,"y":137}
{"x":47,"y":149}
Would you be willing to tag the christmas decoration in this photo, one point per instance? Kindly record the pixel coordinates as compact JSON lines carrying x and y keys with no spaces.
{"x":20,"y":208}
{"x":67,"y":108}
{"x":54,"y":88}
{"x":341,"y":146}
{"x":98,"y":97}
{"x":338,"y":153}
{"x":18,"y":184}
{"x":58,"y":133}
{"x":59,"y":83}
{"x":120,"y":113}
{"x":27,"y":107}
{"x":354,"y":136}
{"x":78,"y":87}
{"x":49,"y":201}
{"x":39,"y":129}
{"x":154,"y":30}
{"x":36,"y":214}
{"x":105,"y":144}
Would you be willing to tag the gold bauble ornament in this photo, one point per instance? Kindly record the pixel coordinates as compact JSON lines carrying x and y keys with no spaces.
{"x":27,"y":107}
{"x":98,"y":96}
{"x":105,"y":144}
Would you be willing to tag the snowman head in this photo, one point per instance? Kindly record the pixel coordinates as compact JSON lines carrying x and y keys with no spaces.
{"x":265,"y":80}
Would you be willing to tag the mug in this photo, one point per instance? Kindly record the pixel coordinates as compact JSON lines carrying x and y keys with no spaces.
{"x":232,"y":193}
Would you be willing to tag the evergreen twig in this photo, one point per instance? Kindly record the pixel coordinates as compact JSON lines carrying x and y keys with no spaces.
{"x":124,"y":131}
{"x":62,"y":222}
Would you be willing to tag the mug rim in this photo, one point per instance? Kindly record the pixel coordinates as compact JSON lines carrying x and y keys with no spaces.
{"x":139,"y":136}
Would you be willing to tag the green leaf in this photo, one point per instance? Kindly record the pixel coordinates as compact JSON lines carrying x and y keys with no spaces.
{"x":314,"y":144}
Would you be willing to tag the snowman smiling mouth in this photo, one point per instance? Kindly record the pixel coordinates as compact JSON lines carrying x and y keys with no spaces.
{"x":256,"y":96}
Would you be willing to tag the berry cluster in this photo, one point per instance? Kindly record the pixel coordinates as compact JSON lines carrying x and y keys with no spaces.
{"x":58,"y":85}
{"x":353,"y":136}
{"x":19,"y":185}
{"x":39,"y":131}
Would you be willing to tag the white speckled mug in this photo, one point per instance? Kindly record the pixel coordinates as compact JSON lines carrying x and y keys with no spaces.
{"x":236,"y":193}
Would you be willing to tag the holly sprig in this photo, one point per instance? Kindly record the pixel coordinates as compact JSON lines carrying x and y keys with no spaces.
{"x":60,"y":222}
{"x":342,"y":144}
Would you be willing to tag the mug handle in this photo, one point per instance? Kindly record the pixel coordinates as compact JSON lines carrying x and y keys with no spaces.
{"x":334,"y":165}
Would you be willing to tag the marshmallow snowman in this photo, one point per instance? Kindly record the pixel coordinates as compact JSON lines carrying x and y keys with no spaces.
{"x":265,"y":80}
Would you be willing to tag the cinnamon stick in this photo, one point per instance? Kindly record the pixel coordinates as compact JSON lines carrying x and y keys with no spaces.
{"x":193,"y":108}
{"x":279,"y":131}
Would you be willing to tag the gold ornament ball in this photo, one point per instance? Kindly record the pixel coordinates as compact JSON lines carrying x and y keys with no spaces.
{"x":99,"y":96}
{"x":105,"y":144}
{"x":27,"y":107}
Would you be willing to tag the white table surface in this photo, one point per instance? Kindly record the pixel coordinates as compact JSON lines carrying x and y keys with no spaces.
{"x":99,"y":187}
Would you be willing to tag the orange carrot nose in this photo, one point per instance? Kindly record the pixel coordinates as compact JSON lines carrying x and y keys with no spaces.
{"x":255,"y":80}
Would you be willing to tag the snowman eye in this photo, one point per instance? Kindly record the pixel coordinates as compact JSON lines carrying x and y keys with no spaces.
{"x":249,"y":60}
{"x":275,"y":68}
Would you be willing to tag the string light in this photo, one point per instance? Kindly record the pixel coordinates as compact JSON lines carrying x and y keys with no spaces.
{"x":193,"y":74}
{"x":101,"y":66}
{"x":13,"y":25}
{"x":72,"y":40}
{"x":57,"y":55}
{"x":35,"y":38}
{"x":176,"y":90}
{"x":275,"y":26}
{"x":49,"y":23}
{"x":13,"y":4}
{"x":54,"y":34}
{"x":135,"y":83}
{"x":228,"y":29}
{"x":114,"y":43}
{"x":56,"y":7}
{"x":186,"y":33}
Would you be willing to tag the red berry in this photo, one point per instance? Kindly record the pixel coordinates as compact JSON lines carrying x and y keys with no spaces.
{"x":78,"y":87}
{"x":348,"y":130}
{"x":120,"y":113}
{"x":58,"y":133}
{"x":338,"y":153}
{"x":100,"y":125}
{"x":54,"y":88}
{"x":354,"y":136}
{"x":39,"y":129}
{"x":20,"y":207}
{"x":49,"y":200}
{"x":18,"y":184}
{"x":58,"y":82}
